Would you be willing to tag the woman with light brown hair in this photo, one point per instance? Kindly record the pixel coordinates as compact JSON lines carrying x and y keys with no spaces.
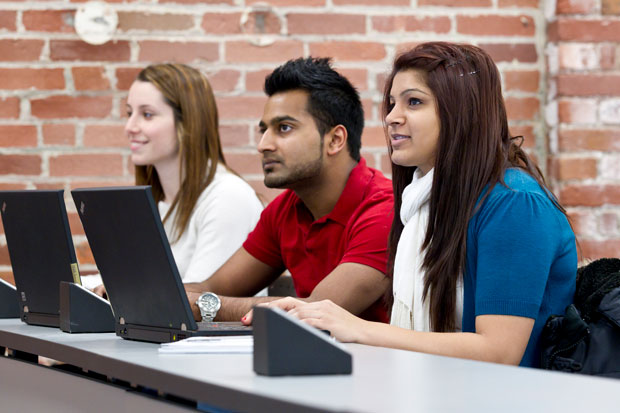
{"x":173,"y":131}
{"x":481,"y":252}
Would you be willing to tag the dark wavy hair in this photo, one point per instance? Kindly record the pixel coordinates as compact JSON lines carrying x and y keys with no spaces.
{"x":474,"y":150}
{"x":332,"y":99}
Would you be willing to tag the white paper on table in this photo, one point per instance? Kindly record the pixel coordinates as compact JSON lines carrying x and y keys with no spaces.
{"x":220,"y":344}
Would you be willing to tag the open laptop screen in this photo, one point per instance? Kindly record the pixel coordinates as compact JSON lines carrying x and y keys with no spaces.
{"x":133,"y":255}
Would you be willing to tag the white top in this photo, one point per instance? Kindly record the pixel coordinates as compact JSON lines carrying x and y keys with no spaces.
{"x":225,"y":213}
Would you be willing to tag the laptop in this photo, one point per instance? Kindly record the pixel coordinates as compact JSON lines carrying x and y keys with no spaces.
{"x":131,"y":249}
{"x":41,"y":251}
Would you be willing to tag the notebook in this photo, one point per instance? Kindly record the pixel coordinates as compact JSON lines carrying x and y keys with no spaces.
{"x":41,"y":251}
{"x":137,"y":267}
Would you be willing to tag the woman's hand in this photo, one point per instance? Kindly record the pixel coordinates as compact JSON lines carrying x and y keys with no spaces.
{"x":324,"y":315}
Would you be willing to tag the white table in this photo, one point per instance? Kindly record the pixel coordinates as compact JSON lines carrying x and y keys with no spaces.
{"x":383,"y":380}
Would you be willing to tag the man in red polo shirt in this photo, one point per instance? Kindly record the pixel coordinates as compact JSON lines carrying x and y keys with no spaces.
{"x":330,"y":227}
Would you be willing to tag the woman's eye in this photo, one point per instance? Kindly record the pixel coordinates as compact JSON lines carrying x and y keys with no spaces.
{"x":148,"y":115}
{"x":414,"y":101}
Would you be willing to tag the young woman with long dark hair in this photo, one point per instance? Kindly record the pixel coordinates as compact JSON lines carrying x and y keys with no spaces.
{"x":481,"y":252}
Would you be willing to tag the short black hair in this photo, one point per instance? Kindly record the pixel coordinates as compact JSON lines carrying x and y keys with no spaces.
{"x":332,"y":99}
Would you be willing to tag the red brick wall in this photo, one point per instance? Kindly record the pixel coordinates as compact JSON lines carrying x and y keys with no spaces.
{"x":61,"y":100}
{"x":584,"y":119}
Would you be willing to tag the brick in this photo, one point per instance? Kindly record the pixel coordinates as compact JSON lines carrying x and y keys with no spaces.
{"x":587,"y":30}
{"x":357,"y":77}
{"x":588,"y":85}
{"x":315,"y":23}
{"x":4,"y":254}
{"x":75,"y":224}
{"x":221,"y":23}
{"x":583,"y":223}
{"x":593,"y":250}
{"x":261,"y":22}
{"x":8,"y":277}
{"x":9,"y":108}
{"x":83,"y":253}
{"x":183,"y":52}
{"x":368,"y":106}
{"x":527,"y":132}
{"x":10,"y":187}
{"x":610,"y":7}
{"x":610,"y":167}
{"x":234,"y":135}
{"x":128,"y":21}
{"x":90,"y":78}
{"x":49,"y":20}
{"x":609,"y":225}
{"x":86,"y":165}
{"x":519,"y":3}
{"x":575,"y":168}
{"x":605,"y":140}
{"x":387,"y":24}
{"x":255,"y":81}
{"x":58,"y":134}
{"x":373,"y":136}
{"x":71,"y":106}
{"x":285,"y":3}
{"x":577,"y":111}
{"x":575,"y":7}
{"x":278,"y":52}
{"x":608,"y":56}
{"x":349,"y":51}
{"x":522,"y":108}
{"x":105,"y":136}
{"x":125,"y":76}
{"x":371,"y":2}
{"x":20,"y":164}
{"x":577,"y":56}
{"x":201,"y":2}
{"x":522,"y":80}
{"x":72,"y":50}
{"x":20,"y":50}
{"x":490,"y":25}
{"x":241,"y":107}
{"x":18,"y":136}
{"x":114,"y":181}
{"x":455,"y":3}
{"x":610,"y":111}
{"x":7,"y":20}
{"x":590,"y":195}
{"x":25,"y":78}
{"x":225,"y":80}
{"x":509,"y":52}
{"x":244,"y":163}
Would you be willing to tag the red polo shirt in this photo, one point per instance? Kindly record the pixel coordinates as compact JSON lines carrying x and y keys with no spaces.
{"x":356,"y":230}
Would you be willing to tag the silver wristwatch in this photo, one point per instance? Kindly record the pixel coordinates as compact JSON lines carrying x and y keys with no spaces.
{"x":208,"y":303}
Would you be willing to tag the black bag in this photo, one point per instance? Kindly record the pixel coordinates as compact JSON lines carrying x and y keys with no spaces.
{"x":587,"y":338}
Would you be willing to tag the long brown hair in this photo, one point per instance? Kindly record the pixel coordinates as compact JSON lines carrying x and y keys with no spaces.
{"x":190,"y":96}
{"x":474,"y":150}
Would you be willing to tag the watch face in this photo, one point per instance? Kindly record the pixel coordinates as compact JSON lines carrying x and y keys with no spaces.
{"x":209,"y":302}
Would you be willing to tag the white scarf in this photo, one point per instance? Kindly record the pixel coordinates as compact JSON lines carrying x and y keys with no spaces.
{"x":410,"y":310}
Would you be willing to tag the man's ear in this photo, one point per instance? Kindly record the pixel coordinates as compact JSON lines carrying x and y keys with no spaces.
{"x":336,"y":140}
